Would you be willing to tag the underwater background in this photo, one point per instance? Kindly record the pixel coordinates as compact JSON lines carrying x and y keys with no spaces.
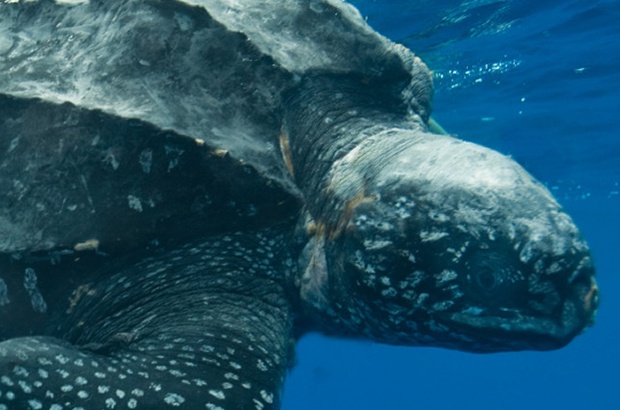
{"x":539,"y":81}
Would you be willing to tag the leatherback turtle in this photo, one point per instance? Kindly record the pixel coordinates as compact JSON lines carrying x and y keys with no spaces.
{"x":190,"y":186}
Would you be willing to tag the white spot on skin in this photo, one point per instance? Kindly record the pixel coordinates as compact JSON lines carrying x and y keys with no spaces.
{"x":134,"y":203}
{"x":146,"y":160}
{"x":175,"y":153}
{"x":445,"y":276}
{"x":37,"y":301}
{"x":63,"y":373}
{"x":374,"y":245}
{"x":87,"y":245}
{"x":389,"y":293}
{"x":261,"y":365}
{"x":440,"y":306}
{"x":427,"y":236}
{"x":30,"y":284}
{"x":218,"y":394}
{"x":472,"y":310}
{"x":438,"y":217}
{"x":25,"y":386}
{"x":13,"y":144}
{"x":177,"y":373}
{"x":174,"y":399}
{"x":268,"y":397}
{"x":231,"y":376}
{"x":20,"y":371}
{"x":258,"y":405}
{"x":137,"y":392}
{"x":35,"y":404}
{"x":111,"y":159}
{"x":155,"y":386}
{"x":4,"y":293}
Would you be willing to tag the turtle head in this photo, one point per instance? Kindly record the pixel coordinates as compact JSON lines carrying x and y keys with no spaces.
{"x":429,"y":240}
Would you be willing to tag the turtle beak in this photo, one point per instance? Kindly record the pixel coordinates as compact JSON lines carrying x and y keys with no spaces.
{"x":513,"y":330}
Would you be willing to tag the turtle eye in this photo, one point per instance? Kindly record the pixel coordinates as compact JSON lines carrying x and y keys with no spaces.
{"x":492,"y":276}
{"x":485,"y":273}
{"x":486,"y":279}
{"x":493,"y":281}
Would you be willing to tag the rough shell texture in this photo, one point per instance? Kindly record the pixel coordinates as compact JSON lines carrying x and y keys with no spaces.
{"x":117,"y":116}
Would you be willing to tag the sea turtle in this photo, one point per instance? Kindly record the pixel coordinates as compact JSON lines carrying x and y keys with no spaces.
{"x":190,"y":186}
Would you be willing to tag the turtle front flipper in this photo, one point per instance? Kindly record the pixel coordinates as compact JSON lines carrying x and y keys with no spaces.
{"x":204,"y":326}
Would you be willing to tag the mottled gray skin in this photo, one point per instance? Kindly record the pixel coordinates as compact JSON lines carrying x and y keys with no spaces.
{"x":190,"y":186}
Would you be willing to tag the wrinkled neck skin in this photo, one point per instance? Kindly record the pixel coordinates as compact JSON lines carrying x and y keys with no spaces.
{"x":423,"y":239}
{"x":329,"y":119}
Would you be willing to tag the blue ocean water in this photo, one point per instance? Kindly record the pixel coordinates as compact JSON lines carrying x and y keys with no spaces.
{"x":540,"y":81}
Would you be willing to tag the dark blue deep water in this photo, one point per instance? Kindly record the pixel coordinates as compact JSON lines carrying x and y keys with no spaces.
{"x":540,"y":81}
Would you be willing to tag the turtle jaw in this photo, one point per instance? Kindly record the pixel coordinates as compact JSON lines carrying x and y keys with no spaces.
{"x":512,"y":330}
